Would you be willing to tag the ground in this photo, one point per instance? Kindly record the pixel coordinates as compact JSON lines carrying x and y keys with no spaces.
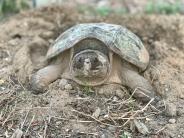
{"x":81,"y":112}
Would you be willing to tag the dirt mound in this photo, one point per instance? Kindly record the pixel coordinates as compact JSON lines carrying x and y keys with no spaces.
{"x":24,"y":41}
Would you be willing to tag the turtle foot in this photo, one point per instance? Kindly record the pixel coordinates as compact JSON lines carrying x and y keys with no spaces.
{"x":37,"y":85}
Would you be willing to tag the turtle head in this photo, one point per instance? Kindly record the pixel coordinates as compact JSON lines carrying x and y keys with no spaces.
{"x":90,"y":67}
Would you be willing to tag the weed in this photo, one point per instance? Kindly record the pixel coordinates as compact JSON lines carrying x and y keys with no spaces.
{"x":103,"y":11}
{"x":12,"y":6}
{"x":87,"y":90}
{"x":125,"y":135}
{"x":163,"y":7}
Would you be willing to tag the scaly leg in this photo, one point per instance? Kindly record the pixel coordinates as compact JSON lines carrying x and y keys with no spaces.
{"x":42,"y":78}
{"x":142,"y":88}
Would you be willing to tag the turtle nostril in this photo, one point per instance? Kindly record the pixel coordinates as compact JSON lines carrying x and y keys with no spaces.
{"x":95,"y":60}
{"x":80,"y":60}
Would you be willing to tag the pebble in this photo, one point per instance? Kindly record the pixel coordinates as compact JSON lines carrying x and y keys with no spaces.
{"x":47,"y":34}
{"x":96,"y":114}
{"x":172,"y":121}
{"x":171,"y":110}
{"x":112,"y":128}
{"x":62,"y":83}
{"x":141,"y":127}
{"x":68,"y":87}
{"x":13,"y":42}
{"x":1,"y":82}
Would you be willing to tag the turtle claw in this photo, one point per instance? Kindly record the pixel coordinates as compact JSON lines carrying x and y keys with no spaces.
{"x":36,"y":85}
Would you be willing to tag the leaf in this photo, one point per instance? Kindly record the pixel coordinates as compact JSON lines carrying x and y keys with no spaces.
{"x":141,"y":127}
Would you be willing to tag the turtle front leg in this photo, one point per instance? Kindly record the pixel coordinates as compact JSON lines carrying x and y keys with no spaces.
{"x":142,"y":88}
{"x":43,"y":77}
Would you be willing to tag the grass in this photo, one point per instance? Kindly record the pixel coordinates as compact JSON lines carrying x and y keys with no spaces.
{"x":152,"y":7}
{"x":102,"y":11}
{"x":163,"y":7}
{"x":12,"y":6}
{"x":87,"y":90}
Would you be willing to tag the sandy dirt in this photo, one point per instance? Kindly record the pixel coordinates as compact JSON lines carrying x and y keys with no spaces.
{"x":81,"y":112}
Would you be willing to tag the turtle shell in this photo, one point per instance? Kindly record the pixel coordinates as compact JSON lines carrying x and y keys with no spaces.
{"x":117,"y":38}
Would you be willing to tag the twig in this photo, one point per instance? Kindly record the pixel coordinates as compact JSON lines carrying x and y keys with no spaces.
{"x":94,"y":118}
{"x":45,"y":130}
{"x":46,"y":124}
{"x":66,"y":119}
{"x":21,"y":84}
{"x":129,"y":99}
{"x":127,"y":118}
{"x":8,"y":116}
{"x":30,"y":124}
{"x":160,"y":130}
{"x":157,"y":71}
{"x":138,"y":111}
{"x":96,"y":134}
{"x":24,"y":120}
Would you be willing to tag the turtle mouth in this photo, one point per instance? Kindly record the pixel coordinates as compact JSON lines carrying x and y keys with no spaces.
{"x":90,"y":67}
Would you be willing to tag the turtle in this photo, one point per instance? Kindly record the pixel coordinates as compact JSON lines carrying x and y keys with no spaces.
{"x":94,"y":54}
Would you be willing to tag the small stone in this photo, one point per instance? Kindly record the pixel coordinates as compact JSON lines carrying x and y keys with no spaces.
{"x":1,"y":82}
{"x":68,"y":87}
{"x":102,"y":126}
{"x":171,"y":109}
{"x":51,"y":41}
{"x":148,"y":119}
{"x":97,"y":113}
{"x":62,"y":83}
{"x":106,"y":116}
{"x":172,"y":121}
{"x":58,"y":122}
{"x":141,"y":127}
{"x":47,"y":34}
{"x":166,"y":89}
{"x":13,"y":42}
{"x":112,"y":128}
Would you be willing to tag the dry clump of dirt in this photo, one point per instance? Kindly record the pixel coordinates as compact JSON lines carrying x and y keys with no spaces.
{"x":24,"y":41}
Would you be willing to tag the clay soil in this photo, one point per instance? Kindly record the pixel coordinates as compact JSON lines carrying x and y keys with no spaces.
{"x":24,"y":40}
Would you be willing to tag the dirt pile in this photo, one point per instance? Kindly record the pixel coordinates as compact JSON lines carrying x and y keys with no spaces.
{"x":24,"y":41}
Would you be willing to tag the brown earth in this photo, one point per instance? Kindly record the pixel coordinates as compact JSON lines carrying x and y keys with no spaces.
{"x":24,"y":40}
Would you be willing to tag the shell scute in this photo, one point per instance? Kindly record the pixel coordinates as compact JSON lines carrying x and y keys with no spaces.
{"x":117,"y":38}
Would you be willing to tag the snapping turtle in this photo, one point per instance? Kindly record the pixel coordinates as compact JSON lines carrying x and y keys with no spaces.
{"x":95,"y":54}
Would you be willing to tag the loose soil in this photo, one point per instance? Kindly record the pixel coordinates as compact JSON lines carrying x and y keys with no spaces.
{"x":81,"y":112}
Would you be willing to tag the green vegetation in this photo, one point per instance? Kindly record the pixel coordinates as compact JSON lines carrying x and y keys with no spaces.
{"x":102,"y":11}
{"x":87,"y":90}
{"x":12,"y":6}
{"x":163,"y":7}
{"x":125,"y":135}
